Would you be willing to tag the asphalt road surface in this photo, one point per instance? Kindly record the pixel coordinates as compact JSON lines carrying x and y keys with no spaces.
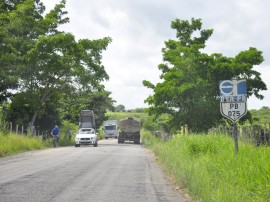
{"x":110,"y":172}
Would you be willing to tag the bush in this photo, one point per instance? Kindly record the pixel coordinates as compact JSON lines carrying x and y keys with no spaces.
{"x":208,"y":167}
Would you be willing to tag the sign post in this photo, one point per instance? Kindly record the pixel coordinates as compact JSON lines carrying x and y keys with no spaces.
{"x":233,"y":102}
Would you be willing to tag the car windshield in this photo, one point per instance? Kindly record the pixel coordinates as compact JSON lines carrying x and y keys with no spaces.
{"x":112,"y":127}
{"x":86,"y":131}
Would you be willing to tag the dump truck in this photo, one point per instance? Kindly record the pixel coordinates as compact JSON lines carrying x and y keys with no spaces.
{"x":129,"y":130}
{"x":86,"y":134}
{"x":87,"y":119}
{"x":110,"y":129}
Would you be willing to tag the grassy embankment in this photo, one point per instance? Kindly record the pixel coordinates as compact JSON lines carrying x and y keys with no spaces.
{"x":208,"y":168}
{"x":11,"y":143}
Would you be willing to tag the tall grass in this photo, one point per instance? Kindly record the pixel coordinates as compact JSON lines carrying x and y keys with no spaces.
{"x":12,"y":144}
{"x":207,"y":166}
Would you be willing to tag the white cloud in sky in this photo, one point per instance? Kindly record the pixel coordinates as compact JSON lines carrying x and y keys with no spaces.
{"x":139,"y":28}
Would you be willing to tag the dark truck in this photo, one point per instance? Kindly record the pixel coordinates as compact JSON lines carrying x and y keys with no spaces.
{"x":129,"y":130}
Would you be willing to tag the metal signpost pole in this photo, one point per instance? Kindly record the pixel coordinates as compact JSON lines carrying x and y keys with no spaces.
{"x":233,"y":97}
{"x":235,"y":136}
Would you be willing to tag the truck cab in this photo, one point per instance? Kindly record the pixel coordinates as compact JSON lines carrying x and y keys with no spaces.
{"x":110,"y":129}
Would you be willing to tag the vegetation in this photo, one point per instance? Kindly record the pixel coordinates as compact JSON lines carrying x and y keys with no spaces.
{"x":120,"y":115}
{"x":189,"y":89}
{"x":47,"y":77}
{"x":261,"y":116}
{"x":46,"y":74}
{"x":208,"y":168}
{"x":13,"y":144}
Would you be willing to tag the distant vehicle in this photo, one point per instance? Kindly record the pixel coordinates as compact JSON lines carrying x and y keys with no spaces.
{"x":110,"y":129}
{"x":86,"y":134}
{"x":129,"y":130}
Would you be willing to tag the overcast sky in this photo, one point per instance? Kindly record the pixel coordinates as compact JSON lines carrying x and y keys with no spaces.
{"x":139,"y":28}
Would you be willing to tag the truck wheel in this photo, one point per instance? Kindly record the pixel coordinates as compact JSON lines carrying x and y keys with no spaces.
{"x":96,"y":144}
{"x":120,"y":141}
{"x":77,"y":145}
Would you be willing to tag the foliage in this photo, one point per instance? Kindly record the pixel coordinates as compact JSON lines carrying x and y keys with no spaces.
{"x":138,"y":110}
{"x":143,"y":117}
{"x":64,"y":138}
{"x":261,"y":116}
{"x":3,"y":123}
{"x":45,"y":61}
{"x":157,"y":123}
{"x":74,"y":102}
{"x":120,"y":108}
{"x":189,"y":88}
{"x":12,"y":144}
{"x":265,"y":107}
{"x":208,"y":168}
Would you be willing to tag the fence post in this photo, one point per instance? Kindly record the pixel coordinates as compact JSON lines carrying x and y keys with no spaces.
{"x":17,"y":128}
{"x":264,"y":134}
{"x":268,"y":133}
{"x":22,"y":130}
{"x":10,"y":126}
{"x":244,"y":132}
{"x":235,"y":135}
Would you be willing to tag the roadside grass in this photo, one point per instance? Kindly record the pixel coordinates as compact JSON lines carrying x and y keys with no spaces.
{"x":210,"y":170}
{"x":13,"y":144}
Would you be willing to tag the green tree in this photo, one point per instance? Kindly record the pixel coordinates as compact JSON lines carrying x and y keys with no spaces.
{"x":120,"y":108}
{"x":189,"y":88}
{"x":48,"y":61}
{"x":98,"y":101}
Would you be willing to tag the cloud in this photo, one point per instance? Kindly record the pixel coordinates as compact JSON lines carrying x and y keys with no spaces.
{"x":139,"y":28}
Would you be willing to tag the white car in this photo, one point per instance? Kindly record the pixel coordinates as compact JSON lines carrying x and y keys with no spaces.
{"x":86,"y":136}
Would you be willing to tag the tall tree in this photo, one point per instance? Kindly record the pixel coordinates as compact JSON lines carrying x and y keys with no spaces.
{"x":49,"y":61}
{"x":189,"y":88}
{"x":98,"y":101}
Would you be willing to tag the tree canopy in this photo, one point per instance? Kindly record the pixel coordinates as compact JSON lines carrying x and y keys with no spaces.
{"x":188,"y":90}
{"x":38,"y":61}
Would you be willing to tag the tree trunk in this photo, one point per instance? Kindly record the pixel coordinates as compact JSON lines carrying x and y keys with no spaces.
{"x":46,"y":95}
{"x":31,"y":124}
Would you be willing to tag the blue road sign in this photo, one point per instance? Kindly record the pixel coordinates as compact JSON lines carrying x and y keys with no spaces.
{"x":233,"y":95}
{"x":232,"y":87}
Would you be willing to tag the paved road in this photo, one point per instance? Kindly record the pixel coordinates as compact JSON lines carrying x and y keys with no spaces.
{"x":109,"y":172}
